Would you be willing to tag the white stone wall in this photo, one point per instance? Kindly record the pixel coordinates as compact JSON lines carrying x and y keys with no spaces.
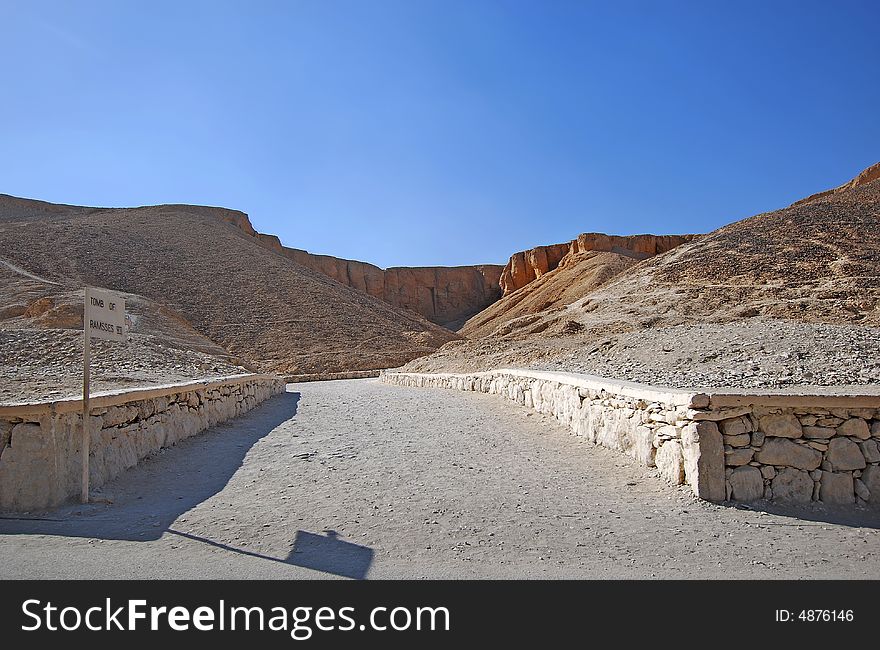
{"x":726,"y":447}
{"x":40,"y":450}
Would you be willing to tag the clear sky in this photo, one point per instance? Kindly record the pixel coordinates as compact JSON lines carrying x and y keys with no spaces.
{"x":421,"y":132}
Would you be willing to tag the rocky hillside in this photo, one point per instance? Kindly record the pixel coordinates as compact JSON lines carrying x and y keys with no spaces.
{"x":200,"y":280}
{"x":547,"y":278}
{"x":446,"y":295}
{"x":813,"y":264}
{"x":576,"y":275}
{"x":815,"y":261}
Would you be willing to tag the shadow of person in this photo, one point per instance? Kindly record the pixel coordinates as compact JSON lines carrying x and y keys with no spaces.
{"x":148,"y":498}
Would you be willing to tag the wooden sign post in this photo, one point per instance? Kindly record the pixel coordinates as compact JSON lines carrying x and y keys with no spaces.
{"x":103,"y":317}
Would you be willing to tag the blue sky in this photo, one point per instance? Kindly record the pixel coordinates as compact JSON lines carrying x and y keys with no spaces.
{"x":426,"y":132}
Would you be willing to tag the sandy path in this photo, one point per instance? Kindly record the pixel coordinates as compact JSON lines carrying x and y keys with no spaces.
{"x":17,"y":269}
{"x":425,"y":483}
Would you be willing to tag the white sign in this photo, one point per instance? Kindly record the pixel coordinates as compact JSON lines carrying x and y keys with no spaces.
{"x":105,"y":315}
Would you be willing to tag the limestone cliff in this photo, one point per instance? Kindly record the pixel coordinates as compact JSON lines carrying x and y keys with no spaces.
{"x":446,"y":295}
{"x":526,"y":266}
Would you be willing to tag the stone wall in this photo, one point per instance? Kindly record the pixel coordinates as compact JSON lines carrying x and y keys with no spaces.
{"x":332,"y":376}
{"x":725,"y":446}
{"x":803,"y":453}
{"x":40,"y":443}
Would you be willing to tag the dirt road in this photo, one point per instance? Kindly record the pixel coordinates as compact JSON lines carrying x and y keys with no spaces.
{"x":359,"y":479}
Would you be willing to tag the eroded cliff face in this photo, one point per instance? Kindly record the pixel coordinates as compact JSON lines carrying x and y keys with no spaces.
{"x":446,"y":295}
{"x":526,"y":266}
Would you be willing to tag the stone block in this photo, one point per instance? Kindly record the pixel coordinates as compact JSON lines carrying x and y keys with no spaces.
{"x":819,"y":433}
{"x":738,"y":456}
{"x":837,"y":487}
{"x":792,"y":485}
{"x":784,"y":425}
{"x":871,"y":478}
{"x":741,"y":440}
{"x":670,"y":462}
{"x":779,"y":451}
{"x":642,"y":447}
{"x":870,"y":450}
{"x":855,"y":427}
{"x":747,"y":484}
{"x":703,"y":453}
{"x":735,"y":426}
{"x":844,"y":454}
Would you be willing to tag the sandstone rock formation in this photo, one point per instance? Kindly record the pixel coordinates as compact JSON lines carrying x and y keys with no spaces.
{"x":547,"y":278}
{"x":526,"y":266}
{"x":576,"y":275}
{"x":446,"y":295}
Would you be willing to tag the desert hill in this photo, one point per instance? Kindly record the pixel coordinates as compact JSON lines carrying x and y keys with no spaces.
{"x":786,"y":283}
{"x":577,"y":275}
{"x":217,"y":285}
{"x":815,"y":261}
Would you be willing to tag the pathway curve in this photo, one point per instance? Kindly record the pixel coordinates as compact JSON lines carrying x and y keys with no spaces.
{"x":417,"y":483}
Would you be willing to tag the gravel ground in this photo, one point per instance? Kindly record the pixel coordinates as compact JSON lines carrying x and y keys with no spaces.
{"x":746,"y":354}
{"x":418,"y":484}
{"x":48,"y":364}
{"x":751,"y":353}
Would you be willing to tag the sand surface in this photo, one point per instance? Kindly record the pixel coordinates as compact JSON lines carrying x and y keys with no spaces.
{"x":417,"y":483}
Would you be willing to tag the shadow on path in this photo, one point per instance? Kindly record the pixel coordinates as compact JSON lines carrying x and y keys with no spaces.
{"x":152,"y":495}
{"x":813,"y":514}
{"x":328,"y":554}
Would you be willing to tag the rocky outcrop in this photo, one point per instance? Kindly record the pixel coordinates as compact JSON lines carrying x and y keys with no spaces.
{"x":358,"y":275}
{"x":446,"y":295}
{"x":867,"y":176}
{"x":527,"y":266}
{"x":577,"y":275}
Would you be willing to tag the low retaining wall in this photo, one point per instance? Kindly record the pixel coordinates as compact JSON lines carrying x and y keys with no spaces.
{"x":331,"y":376}
{"x":725,"y":446}
{"x":40,"y":443}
